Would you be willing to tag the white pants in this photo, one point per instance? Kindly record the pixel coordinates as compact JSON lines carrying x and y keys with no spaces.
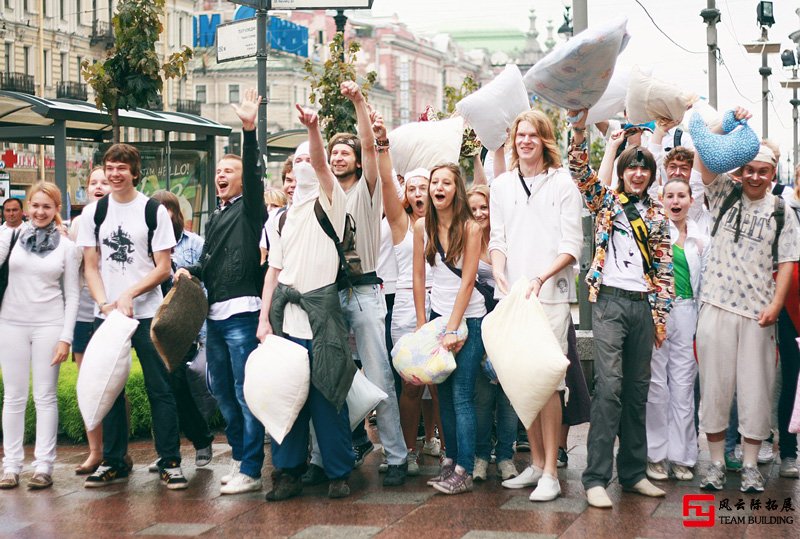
{"x":670,"y":401}
{"x":29,"y":350}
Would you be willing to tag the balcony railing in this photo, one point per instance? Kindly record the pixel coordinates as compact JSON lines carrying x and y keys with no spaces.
{"x":72,"y":90}
{"x":17,"y":82}
{"x":102,"y":33}
{"x":189,"y":106}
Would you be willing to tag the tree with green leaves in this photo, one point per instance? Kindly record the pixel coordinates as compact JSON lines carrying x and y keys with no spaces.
{"x":337,"y":114}
{"x":131,"y":74}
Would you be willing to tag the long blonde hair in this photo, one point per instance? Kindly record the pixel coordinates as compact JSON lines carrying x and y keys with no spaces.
{"x":461,"y":215}
{"x":52,"y":191}
{"x":545,"y":131}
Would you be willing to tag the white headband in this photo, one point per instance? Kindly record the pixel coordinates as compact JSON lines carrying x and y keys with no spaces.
{"x":766,"y":155}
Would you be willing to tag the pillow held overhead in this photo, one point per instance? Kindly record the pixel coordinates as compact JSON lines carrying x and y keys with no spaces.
{"x":492,"y":109}
{"x":575,"y":74}
{"x":650,"y":99}
{"x":426,"y":144}
{"x":612,"y":102}
{"x":722,"y":153}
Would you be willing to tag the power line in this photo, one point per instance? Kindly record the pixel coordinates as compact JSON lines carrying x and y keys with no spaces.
{"x":663,"y":32}
{"x":721,"y":62}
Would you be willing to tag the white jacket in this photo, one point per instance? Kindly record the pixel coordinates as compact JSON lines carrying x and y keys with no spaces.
{"x":696,"y":248}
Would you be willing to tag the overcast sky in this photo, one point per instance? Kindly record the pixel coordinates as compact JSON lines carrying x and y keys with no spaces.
{"x":647,"y":47}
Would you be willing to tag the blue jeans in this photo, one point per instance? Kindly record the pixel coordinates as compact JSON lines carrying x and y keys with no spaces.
{"x":332,"y":431}
{"x":364,"y":311}
{"x":492,"y":404}
{"x":229,"y":344}
{"x":163,"y":410}
{"x":457,"y":398}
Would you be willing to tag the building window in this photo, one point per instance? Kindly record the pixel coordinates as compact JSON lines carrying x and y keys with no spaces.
{"x":234,"y":143}
{"x":62,"y":9}
{"x":9,"y":57}
{"x":64,"y":68}
{"x":8,"y":4}
{"x":200,"y":93}
{"x":48,"y":67}
{"x":79,"y":62}
{"x":233,"y":93}
{"x":26,"y":54}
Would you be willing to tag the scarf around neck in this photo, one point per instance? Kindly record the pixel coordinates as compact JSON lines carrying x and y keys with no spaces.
{"x":40,"y":241}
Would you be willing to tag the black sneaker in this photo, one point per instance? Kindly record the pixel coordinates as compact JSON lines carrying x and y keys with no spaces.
{"x":395,"y":475}
{"x":106,"y":475}
{"x":172,"y":476}
{"x":338,"y":488}
{"x":563,"y":458}
{"x":523,"y":446}
{"x":314,"y":476}
{"x":361,"y":452}
{"x":284,"y":486}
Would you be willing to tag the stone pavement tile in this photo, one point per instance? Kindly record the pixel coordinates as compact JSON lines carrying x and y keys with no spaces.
{"x":559,"y":505}
{"x":176,"y":529}
{"x":283,"y":519}
{"x":79,"y":529}
{"x":10,"y":524}
{"x":486,"y":518}
{"x":338,"y":532}
{"x":395,"y":497}
{"x":482,"y":534}
{"x":405,"y":531}
{"x":767,"y":531}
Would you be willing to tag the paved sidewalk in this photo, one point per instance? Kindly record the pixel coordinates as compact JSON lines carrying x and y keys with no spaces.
{"x":144,"y":507}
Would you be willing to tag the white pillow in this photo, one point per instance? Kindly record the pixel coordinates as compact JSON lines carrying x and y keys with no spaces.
{"x":576,"y":73}
{"x":612,"y":102}
{"x":276,"y":380}
{"x":491,"y":110}
{"x":649,"y":99}
{"x":362,"y":398}
{"x":105,"y":367}
{"x":426,"y":144}
{"x":525,"y":354}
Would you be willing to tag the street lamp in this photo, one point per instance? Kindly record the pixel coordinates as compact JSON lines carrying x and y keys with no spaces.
{"x":789,"y":61}
{"x":764,"y":47}
{"x":566,"y":28}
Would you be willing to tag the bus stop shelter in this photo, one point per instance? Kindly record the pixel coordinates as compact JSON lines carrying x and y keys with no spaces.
{"x":28,"y":119}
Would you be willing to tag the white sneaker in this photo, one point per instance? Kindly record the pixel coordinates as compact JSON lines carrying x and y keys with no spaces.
{"x":656,"y":471}
{"x":682,"y":473}
{"x":153,"y":468}
{"x":413,"y":465}
{"x":789,"y":468}
{"x":528,"y":478}
{"x":507,"y":469}
{"x":547,"y":490}
{"x":232,"y":470}
{"x":432,"y":447}
{"x":240,"y":483}
{"x":203,"y":456}
{"x":766,"y":453}
{"x":479,"y":472}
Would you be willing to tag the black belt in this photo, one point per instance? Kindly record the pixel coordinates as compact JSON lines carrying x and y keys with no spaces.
{"x":620,"y":293}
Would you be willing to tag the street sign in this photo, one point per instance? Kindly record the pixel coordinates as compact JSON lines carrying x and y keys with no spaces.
{"x":306,"y":4}
{"x":236,"y":40}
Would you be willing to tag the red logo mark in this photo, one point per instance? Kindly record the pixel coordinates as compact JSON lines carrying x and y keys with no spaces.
{"x":697,"y":511}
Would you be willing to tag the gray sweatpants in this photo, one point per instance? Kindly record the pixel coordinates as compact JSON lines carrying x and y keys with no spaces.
{"x":623,"y":337}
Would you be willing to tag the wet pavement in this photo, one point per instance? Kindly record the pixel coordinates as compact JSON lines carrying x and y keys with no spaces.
{"x":144,"y":507}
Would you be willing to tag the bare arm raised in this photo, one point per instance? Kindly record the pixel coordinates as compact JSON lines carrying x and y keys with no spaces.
{"x":316,"y":148}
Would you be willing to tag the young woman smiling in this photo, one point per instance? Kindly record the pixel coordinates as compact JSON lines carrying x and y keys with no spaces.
{"x":447,"y":239}
{"x":37,"y":319}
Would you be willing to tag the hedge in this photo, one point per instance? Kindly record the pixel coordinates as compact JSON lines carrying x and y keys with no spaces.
{"x":69,"y":416}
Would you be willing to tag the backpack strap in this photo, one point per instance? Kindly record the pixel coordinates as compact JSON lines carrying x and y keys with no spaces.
{"x":780,"y":216}
{"x":282,"y":219}
{"x":100,"y":212}
{"x":484,"y":289}
{"x":733,"y":197}
{"x":151,"y":219}
{"x":327,"y":227}
{"x":676,"y":138}
{"x":639,"y":228}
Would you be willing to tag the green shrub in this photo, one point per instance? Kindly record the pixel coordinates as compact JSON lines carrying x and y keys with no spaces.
{"x":69,"y":416}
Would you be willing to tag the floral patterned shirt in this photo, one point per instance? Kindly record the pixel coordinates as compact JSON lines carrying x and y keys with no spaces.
{"x":605,"y":206}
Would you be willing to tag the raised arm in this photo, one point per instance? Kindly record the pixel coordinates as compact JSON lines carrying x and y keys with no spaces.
{"x":252,"y":185}
{"x":708,"y":177}
{"x":418,"y":272}
{"x":392,"y":207}
{"x":316,"y":149}
{"x":479,"y":176}
{"x":369,"y":157}
{"x":606,"y":172}
{"x":499,"y":161}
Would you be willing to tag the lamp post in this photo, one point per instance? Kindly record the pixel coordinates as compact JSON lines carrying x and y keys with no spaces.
{"x":711,"y":16}
{"x":790,"y":60}
{"x":764,"y":47}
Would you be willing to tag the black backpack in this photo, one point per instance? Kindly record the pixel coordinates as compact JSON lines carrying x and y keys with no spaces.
{"x":4,"y":266}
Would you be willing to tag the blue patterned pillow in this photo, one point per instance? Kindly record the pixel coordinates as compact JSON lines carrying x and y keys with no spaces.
{"x":722,"y":153}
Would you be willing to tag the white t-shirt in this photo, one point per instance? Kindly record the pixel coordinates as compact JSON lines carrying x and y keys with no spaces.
{"x":366,"y":210}
{"x":305,"y":255}
{"x":738,"y":276}
{"x":623,"y":268}
{"x":123,"y":249}
{"x":387,"y":263}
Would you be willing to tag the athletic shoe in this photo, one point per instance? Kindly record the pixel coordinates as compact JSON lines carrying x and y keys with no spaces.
{"x":284,"y":486}
{"x":172,"y":476}
{"x":446,"y":469}
{"x":383,"y":466}
{"x":656,"y":471}
{"x":789,"y":468}
{"x":233,"y":469}
{"x":413,"y":465}
{"x":682,"y":473}
{"x":340,"y":489}
{"x":766,"y":453}
{"x":714,"y":478}
{"x":457,"y":483}
{"x":547,"y":490}
{"x":153,"y":468}
{"x":241,"y":483}
{"x":733,"y":462}
{"x":361,"y":452}
{"x":9,"y":480}
{"x":395,"y":476}
{"x":106,"y":475}
{"x":563,"y":458}
{"x":752,"y":480}
{"x":507,"y":469}
{"x":432,"y":447}
{"x":528,"y":478}
{"x":40,"y":481}
{"x":314,"y":476}
{"x":479,"y":472}
{"x":203,"y":456}
{"x":523,"y":446}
